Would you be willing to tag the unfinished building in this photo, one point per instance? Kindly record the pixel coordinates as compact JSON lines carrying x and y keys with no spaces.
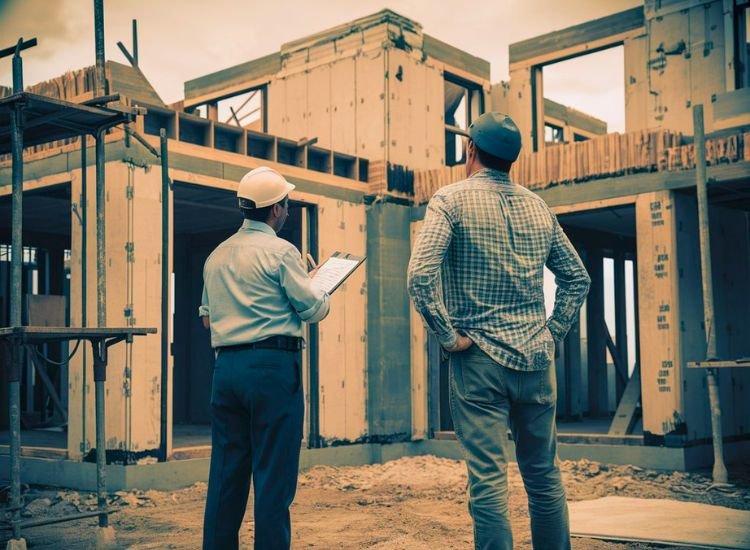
{"x":367,"y":119}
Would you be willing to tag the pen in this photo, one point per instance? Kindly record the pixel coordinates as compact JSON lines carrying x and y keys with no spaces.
{"x":311,"y":262}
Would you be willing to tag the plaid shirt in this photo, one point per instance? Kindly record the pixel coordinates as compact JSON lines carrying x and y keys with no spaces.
{"x":478,"y":268}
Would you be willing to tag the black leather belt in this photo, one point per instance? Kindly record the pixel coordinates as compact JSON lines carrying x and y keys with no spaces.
{"x":285,"y":343}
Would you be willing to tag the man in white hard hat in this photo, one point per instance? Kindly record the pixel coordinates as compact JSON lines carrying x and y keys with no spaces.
{"x":487,"y":241}
{"x":256,"y":295}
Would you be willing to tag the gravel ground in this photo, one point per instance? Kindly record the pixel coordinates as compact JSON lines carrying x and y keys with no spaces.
{"x":411,"y":504}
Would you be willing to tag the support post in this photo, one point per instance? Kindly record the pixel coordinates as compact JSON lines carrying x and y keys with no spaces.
{"x":597,"y":346}
{"x":621,"y":323}
{"x":709,"y":317}
{"x":84,"y":265}
{"x":16,"y":267}
{"x":101,"y":77}
{"x":101,"y":245}
{"x":100,"y":377}
{"x":165,"y":280}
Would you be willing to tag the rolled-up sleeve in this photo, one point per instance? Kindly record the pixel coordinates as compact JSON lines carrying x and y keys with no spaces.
{"x":424,"y":283}
{"x":203,"y":308}
{"x":310,"y":303}
{"x":572,"y":282}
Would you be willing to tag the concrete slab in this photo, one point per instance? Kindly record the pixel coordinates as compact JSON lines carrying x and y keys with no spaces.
{"x":660,"y":521}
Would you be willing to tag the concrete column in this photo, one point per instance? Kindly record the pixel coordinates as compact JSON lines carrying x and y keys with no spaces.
{"x":388,"y":332}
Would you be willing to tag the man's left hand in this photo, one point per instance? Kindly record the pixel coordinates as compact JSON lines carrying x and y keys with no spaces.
{"x":462,"y":344}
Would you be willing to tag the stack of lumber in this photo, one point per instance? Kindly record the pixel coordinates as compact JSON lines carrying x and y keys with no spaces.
{"x":426,"y":182}
{"x":394,"y":179}
{"x":68,"y":86}
{"x":605,"y":156}
{"x":377,"y":177}
{"x":72,"y":86}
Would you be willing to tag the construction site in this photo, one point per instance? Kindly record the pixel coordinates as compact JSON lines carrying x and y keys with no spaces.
{"x":368,"y":119}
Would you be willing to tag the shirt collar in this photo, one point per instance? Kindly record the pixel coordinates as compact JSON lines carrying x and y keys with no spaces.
{"x":252,"y":225}
{"x":490,"y":174}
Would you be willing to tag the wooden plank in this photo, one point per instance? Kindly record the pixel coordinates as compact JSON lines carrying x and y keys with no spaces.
{"x":625,"y":415}
{"x":216,"y":84}
{"x":718,"y":364}
{"x":419,"y":361}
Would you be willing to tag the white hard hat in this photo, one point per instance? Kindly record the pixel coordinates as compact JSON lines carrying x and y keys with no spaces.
{"x":263,"y":186}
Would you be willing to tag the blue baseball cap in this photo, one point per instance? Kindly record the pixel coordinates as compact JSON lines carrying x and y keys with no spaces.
{"x":497,"y":135}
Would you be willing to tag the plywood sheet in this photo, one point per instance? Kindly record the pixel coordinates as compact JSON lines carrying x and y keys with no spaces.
{"x":706,"y":55}
{"x":370,"y":105}
{"x":670,"y":73}
{"x":355,"y":323}
{"x":659,"y":314}
{"x":343,"y":107}
{"x":332,"y":369}
{"x":342,"y":334}
{"x":318,"y":113}
{"x":660,"y":521}
{"x":434,"y":98}
{"x":295,"y":115}
{"x":637,"y":95}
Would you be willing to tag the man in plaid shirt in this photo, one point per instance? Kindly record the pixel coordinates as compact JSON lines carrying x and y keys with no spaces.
{"x":476,"y":276}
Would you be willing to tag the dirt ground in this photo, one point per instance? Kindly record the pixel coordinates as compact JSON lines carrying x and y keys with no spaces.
{"x":408,"y":504}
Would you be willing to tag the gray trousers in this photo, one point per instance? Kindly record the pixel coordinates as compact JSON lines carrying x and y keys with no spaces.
{"x":256,"y":431}
{"x":486,"y":399}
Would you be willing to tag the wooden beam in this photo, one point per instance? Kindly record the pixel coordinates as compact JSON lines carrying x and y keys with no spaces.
{"x":625,"y":416}
{"x":597,"y":356}
{"x":621,"y":319}
{"x":636,"y":184}
{"x":742,"y":362}
{"x":599,"y":33}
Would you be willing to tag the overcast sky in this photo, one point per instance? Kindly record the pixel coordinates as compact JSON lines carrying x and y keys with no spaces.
{"x":181,"y":40}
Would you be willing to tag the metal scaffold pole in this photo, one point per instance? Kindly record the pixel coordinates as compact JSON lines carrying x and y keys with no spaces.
{"x":709,"y":314}
{"x":16,"y":269}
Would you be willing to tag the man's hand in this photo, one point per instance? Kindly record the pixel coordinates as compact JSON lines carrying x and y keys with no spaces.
{"x":206,"y":322}
{"x":462,"y":344}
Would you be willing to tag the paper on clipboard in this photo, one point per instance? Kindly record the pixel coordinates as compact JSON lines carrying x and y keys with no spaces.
{"x":335,"y":270}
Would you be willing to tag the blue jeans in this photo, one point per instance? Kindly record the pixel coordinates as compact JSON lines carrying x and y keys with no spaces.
{"x":486,"y":399}
{"x":256,"y":431}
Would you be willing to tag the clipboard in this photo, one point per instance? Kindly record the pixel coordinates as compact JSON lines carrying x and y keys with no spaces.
{"x":335,"y":270}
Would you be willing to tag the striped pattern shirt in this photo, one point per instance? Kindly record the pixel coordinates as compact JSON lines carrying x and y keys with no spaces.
{"x":477,"y":268}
